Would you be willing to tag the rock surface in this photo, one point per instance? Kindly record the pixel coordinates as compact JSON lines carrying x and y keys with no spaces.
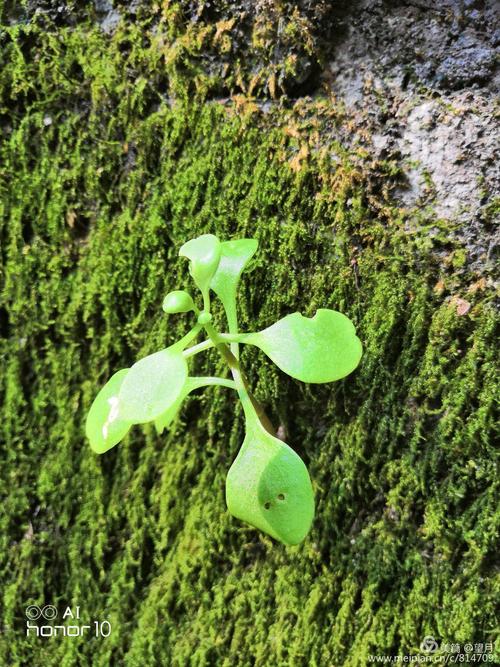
{"x":423,"y":79}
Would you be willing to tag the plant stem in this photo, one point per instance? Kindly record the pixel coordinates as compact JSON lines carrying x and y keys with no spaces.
{"x":232,"y":322}
{"x":206,"y":344}
{"x":197,"y":382}
{"x":206,"y":300}
{"x":234,"y":337}
{"x":251,"y":405}
{"x":185,"y":340}
{"x":191,"y":351}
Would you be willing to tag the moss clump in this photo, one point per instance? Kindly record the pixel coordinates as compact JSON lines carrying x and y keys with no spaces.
{"x":103,"y":176}
{"x":263,"y":48}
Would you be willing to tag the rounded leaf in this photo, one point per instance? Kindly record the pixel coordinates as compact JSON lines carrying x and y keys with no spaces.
{"x":323,"y":348}
{"x":152,"y":385}
{"x":104,"y":426}
{"x":268,"y":486}
{"x":178,"y":302}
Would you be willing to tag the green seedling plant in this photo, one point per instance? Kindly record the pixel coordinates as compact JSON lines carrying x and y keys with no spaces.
{"x":268,"y":485}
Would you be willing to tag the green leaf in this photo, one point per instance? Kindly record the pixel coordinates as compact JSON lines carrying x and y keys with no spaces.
{"x":235,"y":255}
{"x":190,"y":385}
{"x":166,"y":418}
{"x":323,"y":348}
{"x":104,"y":426}
{"x":268,"y":486}
{"x":177,"y":302}
{"x":204,"y":253}
{"x":152,"y":385}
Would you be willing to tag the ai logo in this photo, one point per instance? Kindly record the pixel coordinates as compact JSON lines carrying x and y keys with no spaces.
{"x":49,"y":613}
{"x":69,"y":613}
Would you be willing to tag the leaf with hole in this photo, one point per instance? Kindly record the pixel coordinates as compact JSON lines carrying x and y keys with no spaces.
{"x":323,"y":348}
{"x":268,"y":486}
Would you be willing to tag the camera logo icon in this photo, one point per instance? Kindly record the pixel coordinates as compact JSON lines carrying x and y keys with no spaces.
{"x":48,"y":612}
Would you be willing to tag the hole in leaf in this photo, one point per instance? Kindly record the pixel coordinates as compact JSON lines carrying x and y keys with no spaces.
{"x":267,"y":505}
{"x":281,"y":496}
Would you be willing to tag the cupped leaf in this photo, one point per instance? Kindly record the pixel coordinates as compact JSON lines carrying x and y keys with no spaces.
{"x":152,"y":385}
{"x":235,"y":255}
{"x":268,"y":486}
{"x":178,"y":302}
{"x":204,"y":253}
{"x":105,"y":426}
{"x":323,"y":348}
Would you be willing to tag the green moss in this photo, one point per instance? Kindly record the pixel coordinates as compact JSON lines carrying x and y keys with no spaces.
{"x":102,"y":178}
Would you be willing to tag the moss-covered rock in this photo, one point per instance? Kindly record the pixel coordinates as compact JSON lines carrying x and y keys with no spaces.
{"x":108,"y":163}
